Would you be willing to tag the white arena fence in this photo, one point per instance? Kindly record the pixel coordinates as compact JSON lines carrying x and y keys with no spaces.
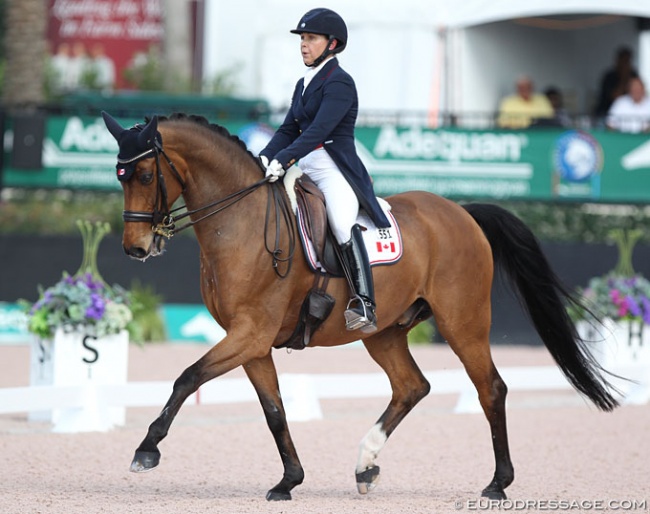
{"x":87,"y":408}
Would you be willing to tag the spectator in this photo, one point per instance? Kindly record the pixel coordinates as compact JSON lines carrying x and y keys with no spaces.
{"x":78,"y":64}
{"x":519,"y":110}
{"x":60,"y":67}
{"x":101,"y":68}
{"x":631,"y":112}
{"x":615,"y":81}
{"x":561,"y":117}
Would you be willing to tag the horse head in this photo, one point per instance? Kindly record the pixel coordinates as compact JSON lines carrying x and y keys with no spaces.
{"x":147,"y":193}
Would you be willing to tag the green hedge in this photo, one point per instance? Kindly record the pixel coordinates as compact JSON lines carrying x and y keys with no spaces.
{"x":56,"y":211}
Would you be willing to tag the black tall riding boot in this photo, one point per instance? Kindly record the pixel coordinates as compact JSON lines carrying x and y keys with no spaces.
{"x":360,"y":312}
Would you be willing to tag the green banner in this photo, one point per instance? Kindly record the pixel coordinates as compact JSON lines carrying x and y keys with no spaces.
{"x":542,"y":164}
{"x":78,"y":153}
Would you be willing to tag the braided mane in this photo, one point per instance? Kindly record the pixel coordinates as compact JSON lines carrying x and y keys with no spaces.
{"x":203,"y":122}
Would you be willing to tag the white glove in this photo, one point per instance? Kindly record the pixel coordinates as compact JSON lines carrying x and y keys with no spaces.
{"x":264,"y":160}
{"x":274,"y":170}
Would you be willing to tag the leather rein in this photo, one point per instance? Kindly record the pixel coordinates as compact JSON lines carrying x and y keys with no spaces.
{"x":163,"y":219}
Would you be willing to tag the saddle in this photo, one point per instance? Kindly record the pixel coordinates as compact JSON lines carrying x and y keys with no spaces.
{"x":317,"y":305}
{"x":311,"y":204}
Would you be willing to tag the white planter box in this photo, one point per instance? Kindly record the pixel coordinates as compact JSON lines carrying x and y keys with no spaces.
{"x":622,"y":348}
{"x":77,"y":359}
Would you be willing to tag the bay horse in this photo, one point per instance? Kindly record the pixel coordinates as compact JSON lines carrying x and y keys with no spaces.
{"x":254,"y":279}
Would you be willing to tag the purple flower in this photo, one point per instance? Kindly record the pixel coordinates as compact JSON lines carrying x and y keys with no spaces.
{"x":92,"y":285}
{"x":646,"y":310}
{"x":634,"y":307}
{"x":97,"y":307}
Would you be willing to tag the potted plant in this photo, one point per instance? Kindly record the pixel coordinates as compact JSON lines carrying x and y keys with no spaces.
{"x":81,"y":327}
{"x":621,"y":300}
{"x":80,"y":302}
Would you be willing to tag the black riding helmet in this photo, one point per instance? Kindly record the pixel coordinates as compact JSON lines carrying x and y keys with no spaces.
{"x":328,"y":23}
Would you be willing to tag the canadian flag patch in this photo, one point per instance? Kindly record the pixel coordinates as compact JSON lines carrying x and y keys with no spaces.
{"x":388,"y":247}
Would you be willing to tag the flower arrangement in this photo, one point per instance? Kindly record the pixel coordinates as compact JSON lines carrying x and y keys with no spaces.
{"x":83,"y":300}
{"x":80,"y":301}
{"x":621,"y":294}
{"x":618,"y":297}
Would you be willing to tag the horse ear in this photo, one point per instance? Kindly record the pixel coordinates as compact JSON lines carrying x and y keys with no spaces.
{"x":112,"y":125}
{"x":148,"y":134}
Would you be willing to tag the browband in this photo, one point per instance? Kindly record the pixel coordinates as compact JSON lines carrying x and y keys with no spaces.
{"x":137,"y":157}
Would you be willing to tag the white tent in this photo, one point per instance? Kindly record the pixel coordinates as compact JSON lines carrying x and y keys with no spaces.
{"x":477,"y":12}
{"x":434,"y":55}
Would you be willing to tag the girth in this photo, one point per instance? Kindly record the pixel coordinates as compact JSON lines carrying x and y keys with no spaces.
{"x":315,"y":309}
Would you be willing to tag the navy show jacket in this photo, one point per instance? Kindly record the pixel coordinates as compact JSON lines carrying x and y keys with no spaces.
{"x":325,"y":115}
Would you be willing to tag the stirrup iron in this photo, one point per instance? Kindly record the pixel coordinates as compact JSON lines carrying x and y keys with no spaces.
{"x":360,"y":318}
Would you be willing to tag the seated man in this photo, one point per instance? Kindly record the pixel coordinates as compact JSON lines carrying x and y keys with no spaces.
{"x":518,"y":111}
{"x":631,"y":112}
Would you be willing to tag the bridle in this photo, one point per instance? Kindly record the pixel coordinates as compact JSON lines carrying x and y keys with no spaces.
{"x":163,"y":219}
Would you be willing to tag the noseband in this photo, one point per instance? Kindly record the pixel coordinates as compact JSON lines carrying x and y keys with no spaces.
{"x":163,"y":219}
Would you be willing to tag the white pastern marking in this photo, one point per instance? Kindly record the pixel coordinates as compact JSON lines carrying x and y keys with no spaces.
{"x":370,"y":447}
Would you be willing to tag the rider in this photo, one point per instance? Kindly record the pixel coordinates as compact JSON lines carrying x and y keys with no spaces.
{"x":318,"y":131}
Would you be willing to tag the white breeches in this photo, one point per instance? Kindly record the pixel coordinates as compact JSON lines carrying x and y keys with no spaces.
{"x":340,"y":200}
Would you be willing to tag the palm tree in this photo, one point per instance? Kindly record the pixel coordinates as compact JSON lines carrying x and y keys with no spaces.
{"x":24,"y":45}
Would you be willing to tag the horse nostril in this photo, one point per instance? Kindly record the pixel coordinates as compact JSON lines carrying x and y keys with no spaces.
{"x":136,"y":252}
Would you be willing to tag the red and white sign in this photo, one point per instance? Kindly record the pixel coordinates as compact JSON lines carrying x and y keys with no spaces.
{"x":98,"y":39}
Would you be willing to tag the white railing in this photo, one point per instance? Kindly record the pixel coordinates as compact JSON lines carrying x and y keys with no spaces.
{"x":87,"y":406}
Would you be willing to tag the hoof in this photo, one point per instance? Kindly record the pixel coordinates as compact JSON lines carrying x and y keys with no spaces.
{"x":494,"y":494}
{"x":144,"y":461}
{"x":367,"y":480}
{"x":277,"y":496}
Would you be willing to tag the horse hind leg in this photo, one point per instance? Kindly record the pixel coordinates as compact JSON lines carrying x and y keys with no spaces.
{"x":389,"y":349}
{"x":474,"y":353}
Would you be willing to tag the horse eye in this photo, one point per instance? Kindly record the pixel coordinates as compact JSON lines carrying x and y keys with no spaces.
{"x":146,"y":178}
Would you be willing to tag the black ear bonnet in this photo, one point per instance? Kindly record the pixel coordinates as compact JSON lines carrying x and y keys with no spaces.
{"x":136,"y":143}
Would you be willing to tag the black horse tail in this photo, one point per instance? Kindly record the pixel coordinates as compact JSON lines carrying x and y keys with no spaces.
{"x":517,"y":252}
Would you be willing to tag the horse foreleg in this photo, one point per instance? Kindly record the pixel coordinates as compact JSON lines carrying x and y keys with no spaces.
{"x":224,"y":357}
{"x":263,"y":376}
{"x":147,"y":455}
{"x":390,"y":350}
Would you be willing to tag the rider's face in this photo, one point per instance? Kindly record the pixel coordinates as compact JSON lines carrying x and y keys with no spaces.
{"x":312,"y":46}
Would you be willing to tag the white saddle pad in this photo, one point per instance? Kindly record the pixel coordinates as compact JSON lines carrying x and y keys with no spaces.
{"x":384,"y":245}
